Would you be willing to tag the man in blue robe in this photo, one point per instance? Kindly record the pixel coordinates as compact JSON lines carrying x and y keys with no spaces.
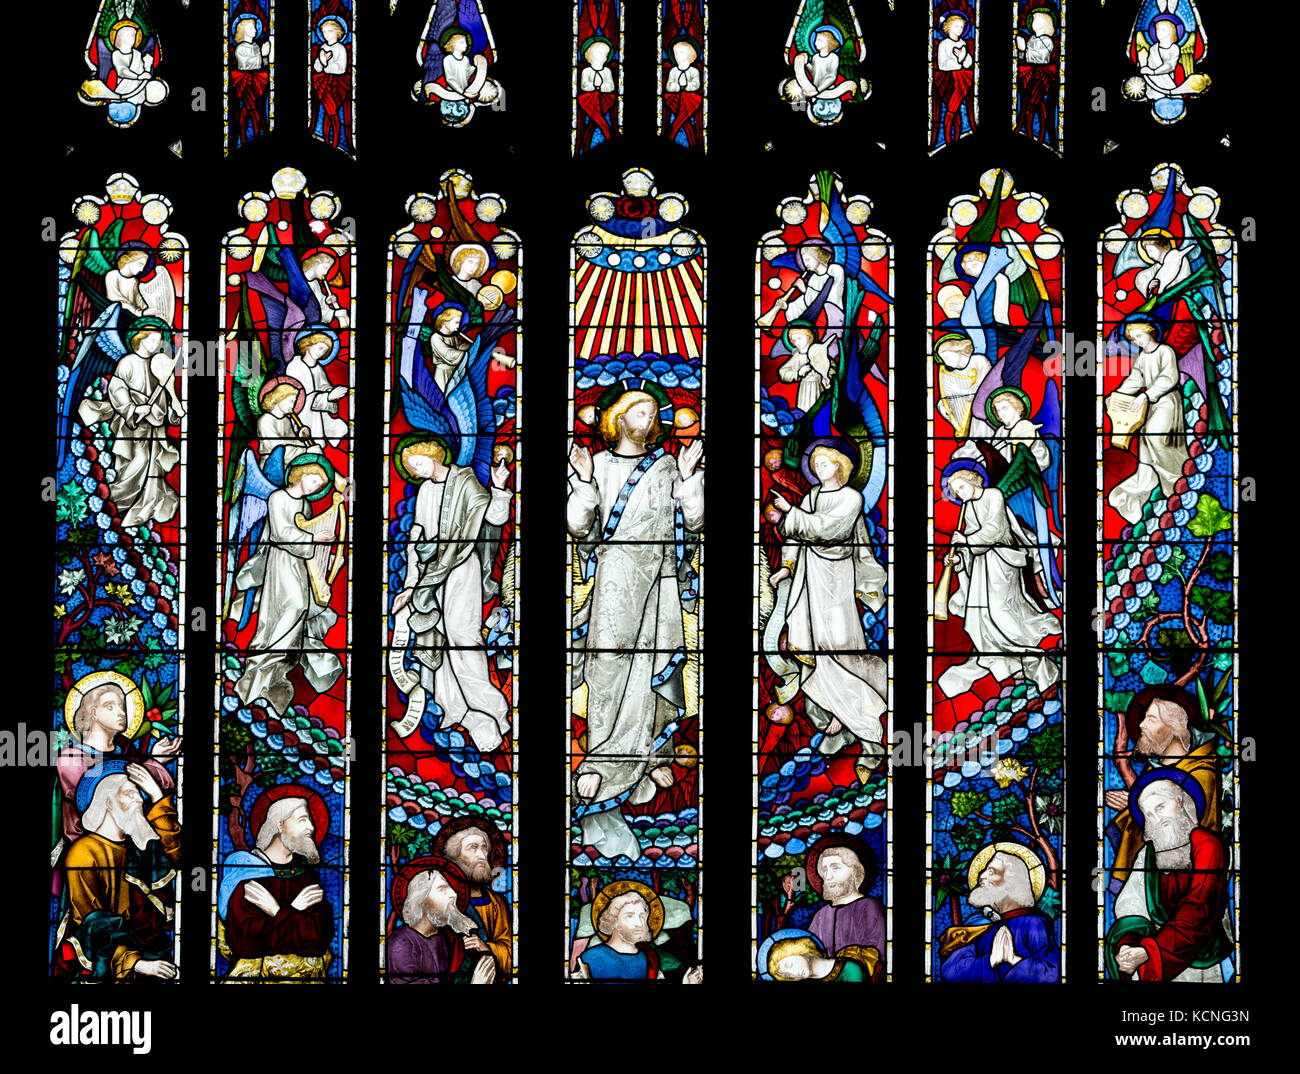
{"x":1020,"y":944}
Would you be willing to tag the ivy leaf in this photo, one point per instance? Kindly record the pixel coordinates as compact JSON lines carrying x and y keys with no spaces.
{"x":69,"y":580}
{"x":1172,"y":638}
{"x":72,"y":505}
{"x":1222,"y":661}
{"x":1046,"y":748}
{"x":1176,"y":560}
{"x":1118,"y":701}
{"x":964,"y":803}
{"x":121,"y":631}
{"x":967,"y":838}
{"x":1210,"y":518}
{"x":1118,"y":664}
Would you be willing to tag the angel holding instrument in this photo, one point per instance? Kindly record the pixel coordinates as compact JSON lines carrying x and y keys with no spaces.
{"x":139,"y":403}
{"x":825,"y":50}
{"x":287,"y":577}
{"x":123,"y":54}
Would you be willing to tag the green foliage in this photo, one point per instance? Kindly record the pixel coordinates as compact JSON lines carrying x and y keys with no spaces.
{"x":964,"y":803}
{"x":72,"y":504}
{"x":1046,"y":748}
{"x":1050,"y":903}
{"x":1150,"y":605}
{"x":1219,"y":566}
{"x":1210,"y":518}
{"x":1216,"y":603}
{"x":1118,"y":701}
{"x":1008,"y":809}
{"x":967,"y":838}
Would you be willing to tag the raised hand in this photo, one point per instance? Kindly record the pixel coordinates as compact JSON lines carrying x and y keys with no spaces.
{"x":580,"y":460}
{"x":500,"y":475}
{"x":143,"y":778}
{"x":690,"y":458}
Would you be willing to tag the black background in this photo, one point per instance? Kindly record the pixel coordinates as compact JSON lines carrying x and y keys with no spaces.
{"x":759,"y":153}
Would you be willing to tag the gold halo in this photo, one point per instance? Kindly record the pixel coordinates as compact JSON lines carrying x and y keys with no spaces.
{"x":1037,"y":872}
{"x":463,"y":251}
{"x":1151,"y":233}
{"x":83,"y":686}
{"x":139,"y":33}
{"x":611,"y":891}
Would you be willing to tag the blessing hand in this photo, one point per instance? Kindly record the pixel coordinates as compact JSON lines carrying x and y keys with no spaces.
{"x":580,"y":460}
{"x":689,"y":459}
{"x":780,"y":502}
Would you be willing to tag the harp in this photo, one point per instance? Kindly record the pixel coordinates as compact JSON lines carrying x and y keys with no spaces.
{"x":327,"y":558}
{"x":1127,"y":414}
{"x":956,"y":396}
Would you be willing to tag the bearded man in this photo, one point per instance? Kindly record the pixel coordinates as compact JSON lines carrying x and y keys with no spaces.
{"x":1020,"y":944}
{"x":1171,"y":921}
{"x":629,"y":953}
{"x":478,"y":852}
{"x":118,"y":929}
{"x":277,"y":921}
{"x":428,"y":948}
{"x":849,"y":918}
{"x":1158,"y":725}
{"x":628,"y":510}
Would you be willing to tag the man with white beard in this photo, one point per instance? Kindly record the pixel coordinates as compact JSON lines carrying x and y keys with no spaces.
{"x":1171,"y":919}
{"x":475,"y":850}
{"x":277,"y":921}
{"x":1020,"y":944}
{"x":430,"y":946}
{"x":849,"y":918}
{"x":114,"y":871}
{"x":1158,"y":724}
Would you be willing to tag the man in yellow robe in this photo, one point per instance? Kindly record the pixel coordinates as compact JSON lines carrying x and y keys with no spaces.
{"x":479,"y":850}
{"x":119,"y":923}
{"x":1158,"y":726}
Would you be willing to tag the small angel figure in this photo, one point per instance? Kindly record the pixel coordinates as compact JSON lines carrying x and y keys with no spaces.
{"x":1168,"y":41}
{"x":122,"y":54}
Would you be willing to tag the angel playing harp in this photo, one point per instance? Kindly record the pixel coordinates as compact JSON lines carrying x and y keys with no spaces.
{"x":291,"y":558}
{"x":122,"y":54}
{"x":1168,"y":41}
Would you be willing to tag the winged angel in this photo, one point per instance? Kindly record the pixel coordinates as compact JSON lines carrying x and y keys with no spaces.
{"x":1167,"y":43}
{"x":123,"y":55}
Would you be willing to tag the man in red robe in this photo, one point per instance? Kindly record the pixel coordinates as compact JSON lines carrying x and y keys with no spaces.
{"x":1170,"y":917}
{"x":277,"y":922}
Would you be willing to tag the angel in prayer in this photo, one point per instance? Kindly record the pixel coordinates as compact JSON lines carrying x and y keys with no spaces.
{"x":314,"y":348}
{"x":683,"y":93}
{"x":454,"y":74}
{"x":139,"y":405}
{"x":331,"y":82}
{"x":1037,"y":75}
{"x":454,"y":536}
{"x":1168,"y":40}
{"x":992,"y":553}
{"x":954,"y":81}
{"x":290,"y":600}
{"x":827,"y":566}
{"x":123,"y":54}
{"x":1154,"y":377}
{"x":597,"y":94}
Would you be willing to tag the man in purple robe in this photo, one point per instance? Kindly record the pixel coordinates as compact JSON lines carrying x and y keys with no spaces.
{"x":844,"y":869}
{"x":429,"y":946}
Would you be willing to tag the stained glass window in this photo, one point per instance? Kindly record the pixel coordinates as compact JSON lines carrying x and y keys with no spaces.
{"x":123,"y":53}
{"x":1038,"y":72}
{"x":825,"y":52}
{"x":635,"y":520}
{"x":683,"y":79}
{"x":451,"y":602}
{"x":1167,"y":46}
{"x":824,"y":678}
{"x":119,"y":589}
{"x":954,"y":63}
{"x":597,"y":72}
{"x":456,"y":53}
{"x":250,"y":71}
{"x":996,"y":762}
{"x":1167,"y":425}
{"x":282,"y":736}
{"x":332,"y":74}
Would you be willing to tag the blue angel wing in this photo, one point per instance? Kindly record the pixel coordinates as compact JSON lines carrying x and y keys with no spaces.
{"x":100,"y":351}
{"x":443,"y":14}
{"x":252,"y":489}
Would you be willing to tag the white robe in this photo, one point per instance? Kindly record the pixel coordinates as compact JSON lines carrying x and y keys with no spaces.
{"x":812,"y":371}
{"x":826,"y":539}
{"x":1005,"y":627}
{"x":459,"y":683}
{"x":143,"y":455}
{"x":320,"y":415}
{"x":1162,"y":439}
{"x":634,"y":625}
{"x":291,"y":626}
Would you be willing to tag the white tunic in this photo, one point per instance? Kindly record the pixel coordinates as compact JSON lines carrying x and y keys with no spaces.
{"x":1162,"y":439}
